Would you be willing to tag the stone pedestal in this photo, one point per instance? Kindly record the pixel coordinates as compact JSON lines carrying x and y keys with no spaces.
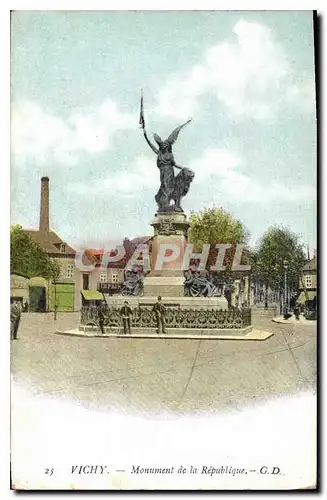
{"x":168,"y":245}
{"x":167,"y":276}
{"x":189,"y":303}
{"x":165,"y":286}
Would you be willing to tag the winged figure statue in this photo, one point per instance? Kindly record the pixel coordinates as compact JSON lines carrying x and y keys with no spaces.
{"x":172,"y":187}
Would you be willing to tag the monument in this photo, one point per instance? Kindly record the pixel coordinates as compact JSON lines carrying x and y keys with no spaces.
{"x":194,"y":306}
{"x":171,"y":226}
{"x":170,"y":223}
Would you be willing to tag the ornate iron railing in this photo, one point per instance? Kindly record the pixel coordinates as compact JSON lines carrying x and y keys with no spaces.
{"x":175,"y":317}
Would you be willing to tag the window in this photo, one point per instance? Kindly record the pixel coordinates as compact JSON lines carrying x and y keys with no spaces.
{"x":114,"y":278}
{"x":63,"y":248}
{"x":308,"y":281}
{"x":103,"y":277}
{"x":70,"y":271}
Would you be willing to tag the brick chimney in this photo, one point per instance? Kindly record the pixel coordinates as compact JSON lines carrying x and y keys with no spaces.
{"x":44,"y":207}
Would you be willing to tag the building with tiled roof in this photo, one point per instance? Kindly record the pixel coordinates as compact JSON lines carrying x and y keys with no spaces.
{"x":64,"y":295}
{"x":109,"y":279}
{"x":311,"y":265}
{"x":51,"y":243}
{"x":141,"y":240}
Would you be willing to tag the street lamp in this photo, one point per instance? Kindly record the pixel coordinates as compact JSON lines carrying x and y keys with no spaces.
{"x":278,"y":297}
{"x":285,"y":286}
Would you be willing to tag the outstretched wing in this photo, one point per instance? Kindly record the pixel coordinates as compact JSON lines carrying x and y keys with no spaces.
{"x":173,"y":136}
{"x":158,"y":139}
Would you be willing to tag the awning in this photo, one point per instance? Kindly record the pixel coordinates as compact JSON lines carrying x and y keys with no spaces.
{"x":92,"y":295}
{"x":302,"y":298}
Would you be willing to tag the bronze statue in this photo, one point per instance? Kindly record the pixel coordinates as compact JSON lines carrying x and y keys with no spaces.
{"x":133,"y":283}
{"x":172,"y":188}
{"x":198,"y":283}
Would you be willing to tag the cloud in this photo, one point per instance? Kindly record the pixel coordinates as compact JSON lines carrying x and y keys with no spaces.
{"x":250,"y":76}
{"x":40,"y":136}
{"x":131,"y":181}
{"x":222,"y":171}
{"x":218,"y":171}
{"x":302,"y":96}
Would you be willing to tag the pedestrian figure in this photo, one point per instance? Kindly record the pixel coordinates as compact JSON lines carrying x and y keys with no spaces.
{"x":159,"y":310}
{"x":126,"y":313}
{"x":297,"y":312}
{"x":102,"y":309}
{"x":15,"y":315}
{"x":25,"y":308}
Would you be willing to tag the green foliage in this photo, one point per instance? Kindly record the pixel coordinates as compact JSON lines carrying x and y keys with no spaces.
{"x":277,"y":245}
{"x":27,"y":258}
{"x":53,"y":270}
{"x":215,"y":225}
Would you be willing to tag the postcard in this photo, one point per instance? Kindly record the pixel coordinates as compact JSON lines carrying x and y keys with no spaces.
{"x":163,"y":250}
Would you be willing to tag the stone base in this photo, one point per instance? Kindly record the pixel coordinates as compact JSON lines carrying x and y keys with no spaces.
{"x":173,"y":332}
{"x":165,"y":286}
{"x":167,"y":254}
{"x":169,"y":300}
{"x":248,"y":333}
{"x":170,"y":223}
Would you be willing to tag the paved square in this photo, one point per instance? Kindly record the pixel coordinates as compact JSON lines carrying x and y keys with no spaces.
{"x":148,"y":375}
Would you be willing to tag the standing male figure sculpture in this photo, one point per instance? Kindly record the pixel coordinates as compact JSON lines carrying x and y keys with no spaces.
{"x":126,"y":313}
{"x":159,"y":310}
{"x":102,"y":310}
{"x":171,"y":187}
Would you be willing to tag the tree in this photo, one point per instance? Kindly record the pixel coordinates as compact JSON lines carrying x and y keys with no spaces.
{"x":215,"y":225}
{"x":277,"y":245}
{"x":53,"y":270}
{"x":28,"y":258}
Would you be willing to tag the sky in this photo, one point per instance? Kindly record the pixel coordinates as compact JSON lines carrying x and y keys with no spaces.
{"x":245,"y":78}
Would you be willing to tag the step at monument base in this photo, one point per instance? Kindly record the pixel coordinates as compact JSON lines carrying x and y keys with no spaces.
{"x":248,"y":333}
{"x":170,"y":301}
{"x":170,"y":332}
